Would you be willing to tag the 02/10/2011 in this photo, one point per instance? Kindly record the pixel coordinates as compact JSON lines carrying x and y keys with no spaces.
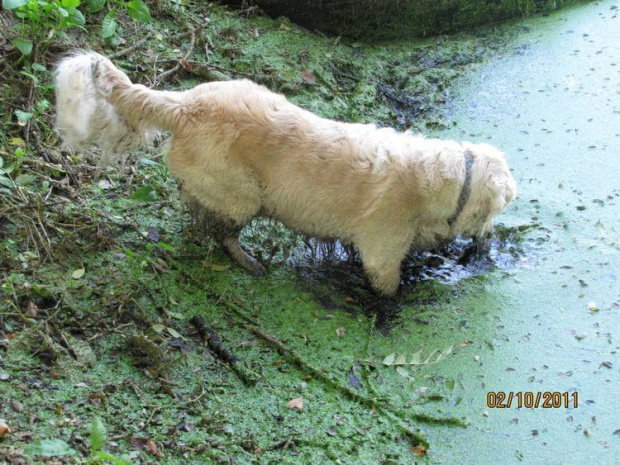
{"x":528,"y":399}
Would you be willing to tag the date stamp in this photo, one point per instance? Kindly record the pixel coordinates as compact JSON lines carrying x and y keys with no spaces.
{"x":529,"y":399}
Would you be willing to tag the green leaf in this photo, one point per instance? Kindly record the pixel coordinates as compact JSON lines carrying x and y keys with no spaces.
{"x":158,"y":328}
{"x":23,"y":45}
{"x":111,"y":458}
{"x":219,"y":267}
{"x":49,"y":448}
{"x":98,"y":435}
{"x":76,"y":17}
{"x":70,"y":3}
{"x":176,"y":315}
{"x":42,"y":291}
{"x":389,"y":360}
{"x":78,"y":274}
{"x":6,"y":182}
{"x":138,"y":10}
{"x":23,"y":117}
{"x":12,"y":4}
{"x":173,"y":332}
{"x":25,"y":179}
{"x":146,"y":161}
{"x":38,"y":67}
{"x":108,"y":25}
{"x":93,"y":6}
{"x":145,"y":194}
{"x":165,"y":246}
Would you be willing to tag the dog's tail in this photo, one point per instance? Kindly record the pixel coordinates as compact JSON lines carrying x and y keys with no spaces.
{"x":98,"y":105}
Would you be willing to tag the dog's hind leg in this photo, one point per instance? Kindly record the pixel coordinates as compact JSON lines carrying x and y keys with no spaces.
{"x":226,"y":232}
{"x":228,"y":236}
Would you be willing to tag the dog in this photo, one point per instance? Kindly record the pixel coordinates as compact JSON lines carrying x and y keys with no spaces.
{"x":239,"y":151}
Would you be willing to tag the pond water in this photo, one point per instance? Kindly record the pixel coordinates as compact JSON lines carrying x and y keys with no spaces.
{"x":553,"y":105}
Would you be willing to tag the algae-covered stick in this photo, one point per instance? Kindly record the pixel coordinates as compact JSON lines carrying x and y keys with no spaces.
{"x":214,"y":342}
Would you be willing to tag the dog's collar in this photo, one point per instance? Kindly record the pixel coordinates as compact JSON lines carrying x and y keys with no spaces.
{"x":466,"y":190}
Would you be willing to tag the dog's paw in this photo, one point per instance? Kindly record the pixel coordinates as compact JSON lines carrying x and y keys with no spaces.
{"x":256,"y":268}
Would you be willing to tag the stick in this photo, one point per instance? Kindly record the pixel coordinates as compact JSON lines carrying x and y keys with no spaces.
{"x":214,"y":342}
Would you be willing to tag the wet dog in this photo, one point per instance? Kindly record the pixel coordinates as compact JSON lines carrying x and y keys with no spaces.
{"x":239,"y":150}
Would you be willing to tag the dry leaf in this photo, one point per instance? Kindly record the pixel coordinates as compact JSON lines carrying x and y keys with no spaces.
{"x":4,"y":428}
{"x":152,"y":448}
{"x":31,"y":310}
{"x":419,"y":450}
{"x":17,"y":405}
{"x":297,"y":403}
{"x":340,"y":332}
{"x":308,"y":77}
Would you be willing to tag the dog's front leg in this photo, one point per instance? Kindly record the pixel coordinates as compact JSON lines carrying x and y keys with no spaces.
{"x":381,"y":260}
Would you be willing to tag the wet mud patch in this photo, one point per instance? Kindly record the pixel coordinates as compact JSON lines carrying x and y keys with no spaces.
{"x":333,"y":273}
{"x":420,"y":83}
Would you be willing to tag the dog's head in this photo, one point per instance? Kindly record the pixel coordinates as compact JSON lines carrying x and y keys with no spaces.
{"x":492,"y":189}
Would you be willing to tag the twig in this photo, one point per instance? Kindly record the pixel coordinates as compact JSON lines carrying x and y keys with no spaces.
{"x":384,"y":408}
{"x":128,"y":50}
{"x":190,"y":50}
{"x":214,"y":341}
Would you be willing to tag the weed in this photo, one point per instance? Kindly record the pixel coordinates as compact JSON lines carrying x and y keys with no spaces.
{"x":136,"y":9}
{"x":41,"y":20}
{"x":59,"y":448}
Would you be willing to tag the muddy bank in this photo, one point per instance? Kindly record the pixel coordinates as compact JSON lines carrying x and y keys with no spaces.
{"x":373,"y":20}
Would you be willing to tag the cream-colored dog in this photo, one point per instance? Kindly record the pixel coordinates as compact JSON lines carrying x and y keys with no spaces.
{"x":239,"y":150}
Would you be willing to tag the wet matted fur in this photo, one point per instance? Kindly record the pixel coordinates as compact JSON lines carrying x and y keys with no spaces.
{"x":239,"y":150}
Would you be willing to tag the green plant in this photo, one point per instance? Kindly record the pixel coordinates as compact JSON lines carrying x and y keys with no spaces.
{"x":42,"y":19}
{"x":59,"y":448}
{"x":6,"y":182}
{"x":136,"y":9}
{"x":98,"y":438}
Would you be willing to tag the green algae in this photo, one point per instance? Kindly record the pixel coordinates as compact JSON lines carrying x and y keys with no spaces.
{"x":528,"y":327}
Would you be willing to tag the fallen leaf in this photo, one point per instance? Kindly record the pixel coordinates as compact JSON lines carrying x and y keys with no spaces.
{"x":389,"y":360}
{"x":152,"y":448}
{"x":105,"y":185}
{"x":79,"y":273}
{"x":418,"y":451}
{"x":297,"y":403}
{"x":17,"y":141}
{"x":17,"y":405}
{"x":340,"y":332}
{"x":354,"y":380}
{"x":308,"y":77}
{"x":31,"y":310}
{"x":4,"y":428}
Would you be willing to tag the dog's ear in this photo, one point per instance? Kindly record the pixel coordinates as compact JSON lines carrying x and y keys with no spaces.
{"x":503,"y":190}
